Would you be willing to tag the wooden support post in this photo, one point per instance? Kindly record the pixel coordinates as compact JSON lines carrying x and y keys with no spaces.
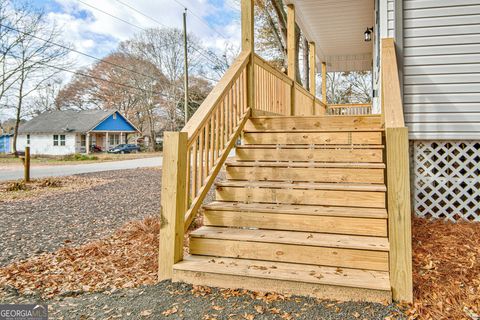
{"x":106,"y":141}
{"x":324,"y":82}
{"x":173,"y":203}
{"x":87,"y":142}
{"x":312,"y":67}
{"x":248,"y":44}
{"x":26,"y":164}
{"x":291,"y":53}
{"x":399,"y":218}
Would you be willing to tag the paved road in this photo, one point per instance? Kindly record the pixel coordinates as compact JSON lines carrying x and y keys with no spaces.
{"x":67,"y":170}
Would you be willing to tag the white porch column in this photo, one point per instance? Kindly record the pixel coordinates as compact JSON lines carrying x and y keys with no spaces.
{"x":87,"y":143}
{"x":122,"y":141}
{"x":106,"y":141}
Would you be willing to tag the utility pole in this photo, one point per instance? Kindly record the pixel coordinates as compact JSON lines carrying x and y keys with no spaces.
{"x":185,"y":104}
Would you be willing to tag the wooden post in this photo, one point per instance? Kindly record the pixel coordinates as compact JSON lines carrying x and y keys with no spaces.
{"x":106,"y":141}
{"x":26,"y":164}
{"x":173,"y":203}
{"x":324,"y":82}
{"x":87,"y":142}
{"x":291,"y":53}
{"x":399,"y":219}
{"x":248,"y":44}
{"x":313,"y":71}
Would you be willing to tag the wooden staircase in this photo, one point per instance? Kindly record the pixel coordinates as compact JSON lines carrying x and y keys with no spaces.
{"x":302,"y":211}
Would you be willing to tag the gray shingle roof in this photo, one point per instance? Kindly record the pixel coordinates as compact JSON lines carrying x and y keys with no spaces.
{"x":65,"y":121}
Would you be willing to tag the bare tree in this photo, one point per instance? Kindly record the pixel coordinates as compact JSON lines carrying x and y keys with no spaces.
{"x":33,"y":58}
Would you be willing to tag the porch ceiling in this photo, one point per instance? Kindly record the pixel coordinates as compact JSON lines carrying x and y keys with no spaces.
{"x":337,"y":27}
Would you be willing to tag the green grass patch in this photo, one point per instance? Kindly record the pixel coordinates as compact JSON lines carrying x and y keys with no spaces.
{"x":79,"y":157}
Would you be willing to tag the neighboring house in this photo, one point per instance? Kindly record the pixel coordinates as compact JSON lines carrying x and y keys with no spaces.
{"x":6,"y":143}
{"x":70,"y":131}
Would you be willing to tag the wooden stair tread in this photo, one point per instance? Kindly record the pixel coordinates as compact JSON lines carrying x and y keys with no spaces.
{"x":298,"y":209}
{"x":305,"y":164}
{"x":294,"y":237}
{"x":303,"y":185}
{"x":310,"y":146}
{"x":357,"y":278}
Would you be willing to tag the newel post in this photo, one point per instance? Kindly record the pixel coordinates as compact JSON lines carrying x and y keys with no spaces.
{"x":399,"y":214}
{"x":291,"y":53}
{"x":248,"y":44}
{"x":173,"y":204}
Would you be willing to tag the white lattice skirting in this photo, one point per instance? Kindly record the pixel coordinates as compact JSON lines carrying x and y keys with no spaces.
{"x":446,"y":179}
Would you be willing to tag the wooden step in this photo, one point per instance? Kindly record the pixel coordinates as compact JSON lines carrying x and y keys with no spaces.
{"x":313,"y":124}
{"x":297,"y":222}
{"x":304,"y":185}
{"x":287,"y":278}
{"x":309,"y":194}
{"x":313,"y":172}
{"x":333,"y":153}
{"x":308,"y":138}
{"x":298,"y":209}
{"x":294,"y":247}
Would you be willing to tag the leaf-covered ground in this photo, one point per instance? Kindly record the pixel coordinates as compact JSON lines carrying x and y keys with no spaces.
{"x":115,"y":276}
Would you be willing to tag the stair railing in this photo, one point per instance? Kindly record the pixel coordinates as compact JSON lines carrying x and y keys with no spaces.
{"x":193,"y":157}
{"x":353,"y":109}
{"x":398,"y":176}
{"x":277,"y":94}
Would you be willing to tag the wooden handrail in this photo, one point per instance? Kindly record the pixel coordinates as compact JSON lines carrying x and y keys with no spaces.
{"x":216,"y":95}
{"x":349,"y":105}
{"x":397,"y":176}
{"x":392,"y":109}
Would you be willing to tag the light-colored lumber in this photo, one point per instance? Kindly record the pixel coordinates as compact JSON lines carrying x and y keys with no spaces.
{"x":208,"y":181}
{"x":292,"y":279}
{"x":312,"y":55}
{"x":305,"y":164}
{"x":295,"y":222}
{"x":291,"y":43}
{"x":284,"y":173}
{"x":392,"y":108}
{"x":335,"y":257}
{"x":306,"y":124}
{"x":324,"y":82}
{"x":297,"y":209}
{"x":349,"y":138}
{"x":173,"y":203}
{"x":355,"y":278}
{"x":264,"y":153}
{"x":399,"y":216}
{"x":299,"y":196}
{"x":293,"y":237}
{"x":305,"y":185}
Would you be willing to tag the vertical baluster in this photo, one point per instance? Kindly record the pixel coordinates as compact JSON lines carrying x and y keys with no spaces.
{"x":207,"y":148}
{"x":201,"y":164}
{"x":189,"y":178}
{"x":235,"y":104}
{"x":212,"y":139}
{"x":222,"y":124}
{"x":194,"y":168}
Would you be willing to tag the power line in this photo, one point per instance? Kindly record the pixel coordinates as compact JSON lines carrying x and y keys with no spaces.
{"x":218,"y":62}
{"x":87,"y":75}
{"x":143,"y":14}
{"x":201,"y":20}
{"x":78,"y":51}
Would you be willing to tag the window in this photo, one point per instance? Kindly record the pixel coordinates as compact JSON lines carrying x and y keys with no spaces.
{"x":58,"y":140}
{"x":114,"y":116}
{"x":83,"y":140}
{"x":28,"y":139}
{"x":114,"y":139}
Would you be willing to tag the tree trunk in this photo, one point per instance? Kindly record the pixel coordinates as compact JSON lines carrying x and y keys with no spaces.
{"x":19,"y":109}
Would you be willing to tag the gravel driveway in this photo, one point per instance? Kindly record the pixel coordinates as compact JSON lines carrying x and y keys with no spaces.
{"x":168,"y":300}
{"x":34,"y":226}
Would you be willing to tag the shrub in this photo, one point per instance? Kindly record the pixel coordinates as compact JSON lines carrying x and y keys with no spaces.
{"x":79,"y":157}
{"x":16,"y":186}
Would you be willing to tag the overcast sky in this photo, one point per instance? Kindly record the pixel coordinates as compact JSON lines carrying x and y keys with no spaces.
{"x":214,"y":22}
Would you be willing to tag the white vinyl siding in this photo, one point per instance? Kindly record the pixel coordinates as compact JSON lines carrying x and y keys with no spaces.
{"x":42,"y":144}
{"x":391,"y":18}
{"x":441,"y":72}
